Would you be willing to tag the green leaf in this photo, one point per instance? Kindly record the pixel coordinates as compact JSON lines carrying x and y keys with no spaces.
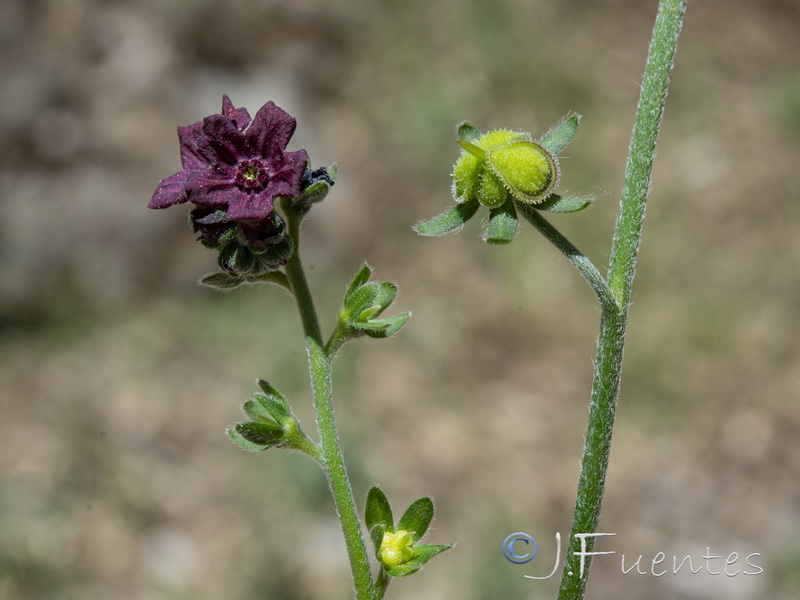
{"x":360,"y":299}
{"x":564,"y":204}
{"x":360,"y":278}
{"x":275,"y":406}
{"x":468,"y":132}
{"x":503,"y":224}
{"x":423,"y":553}
{"x":265,"y":434}
{"x":383,"y":328}
{"x":244,"y":443}
{"x":376,"y":535}
{"x":378,"y":511}
{"x":555,"y":140}
{"x":270,"y":390}
{"x":257,"y":412}
{"x":387,"y":292}
{"x":272,"y":400}
{"x":448,"y":221}
{"x":417,"y":518}
{"x":221,"y":282}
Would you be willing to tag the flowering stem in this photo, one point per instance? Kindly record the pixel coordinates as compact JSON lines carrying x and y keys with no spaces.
{"x":332,"y":459}
{"x":624,"y":249}
{"x":576,"y":257}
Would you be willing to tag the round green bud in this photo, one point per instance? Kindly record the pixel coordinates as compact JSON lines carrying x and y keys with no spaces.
{"x":491,"y":191}
{"x":465,"y":177}
{"x":502,"y":162}
{"x":529,"y":171}
{"x":396,"y":548}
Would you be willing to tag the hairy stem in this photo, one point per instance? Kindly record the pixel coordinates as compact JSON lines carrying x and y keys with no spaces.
{"x":627,"y":235}
{"x":332,"y":458}
{"x":382,"y":583}
{"x":585,"y":266}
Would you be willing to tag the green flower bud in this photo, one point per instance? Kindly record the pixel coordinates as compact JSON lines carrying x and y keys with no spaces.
{"x":396,"y":548}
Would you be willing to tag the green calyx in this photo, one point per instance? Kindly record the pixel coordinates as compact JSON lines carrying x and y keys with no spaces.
{"x":363,"y":305}
{"x":397,"y":546}
{"x":271,"y":424}
{"x":506,"y":171}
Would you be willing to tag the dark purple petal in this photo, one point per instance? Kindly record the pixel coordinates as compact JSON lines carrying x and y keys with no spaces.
{"x":189,"y":137}
{"x":212,"y":187}
{"x":239,"y":116}
{"x":270,"y":131}
{"x":171,"y":190}
{"x":250,"y":207}
{"x":221,"y":141}
{"x":285,"y":181}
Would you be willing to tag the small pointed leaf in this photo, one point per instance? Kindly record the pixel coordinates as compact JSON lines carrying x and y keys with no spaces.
{"x":361,"y":299}
{"x":555,"y":140}
{"x":448,"y":221}
{"x":265,"y":434}
{"x":270,"y":390}
{"x":383,"y":328}
{"x":503,"y":225}
{"x":275,"y":406}
{"x":378,"y":511}
{"x":245,"y":444}
{"x":257,"y":412}
{"x":467,"y":131}
{"x":221,"y":282}
{"x":564,"y":204}
{"x":417,"y":518}
{"x":360,"y":278}
{"x":424,"y":552}
{"x":387,"y":291}
{"x":376,"y":535}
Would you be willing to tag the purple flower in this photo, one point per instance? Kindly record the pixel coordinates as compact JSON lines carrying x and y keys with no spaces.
{"x":236,"y":164}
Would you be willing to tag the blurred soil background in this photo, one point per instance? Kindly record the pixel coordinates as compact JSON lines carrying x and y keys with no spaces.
{"x":118,"y":375}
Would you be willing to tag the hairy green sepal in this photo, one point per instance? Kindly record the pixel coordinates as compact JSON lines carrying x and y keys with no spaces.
{"x":364,"y":302}
{"x":404,"y":535}
{"x":271,"y":424}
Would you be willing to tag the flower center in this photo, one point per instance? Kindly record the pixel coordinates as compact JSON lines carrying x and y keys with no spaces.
{"x":251,"y":174}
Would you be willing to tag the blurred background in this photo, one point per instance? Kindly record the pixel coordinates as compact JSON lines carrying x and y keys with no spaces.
{"x":118,"y":375}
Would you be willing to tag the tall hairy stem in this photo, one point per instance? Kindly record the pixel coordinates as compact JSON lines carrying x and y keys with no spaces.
{"x":624,"y":250}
